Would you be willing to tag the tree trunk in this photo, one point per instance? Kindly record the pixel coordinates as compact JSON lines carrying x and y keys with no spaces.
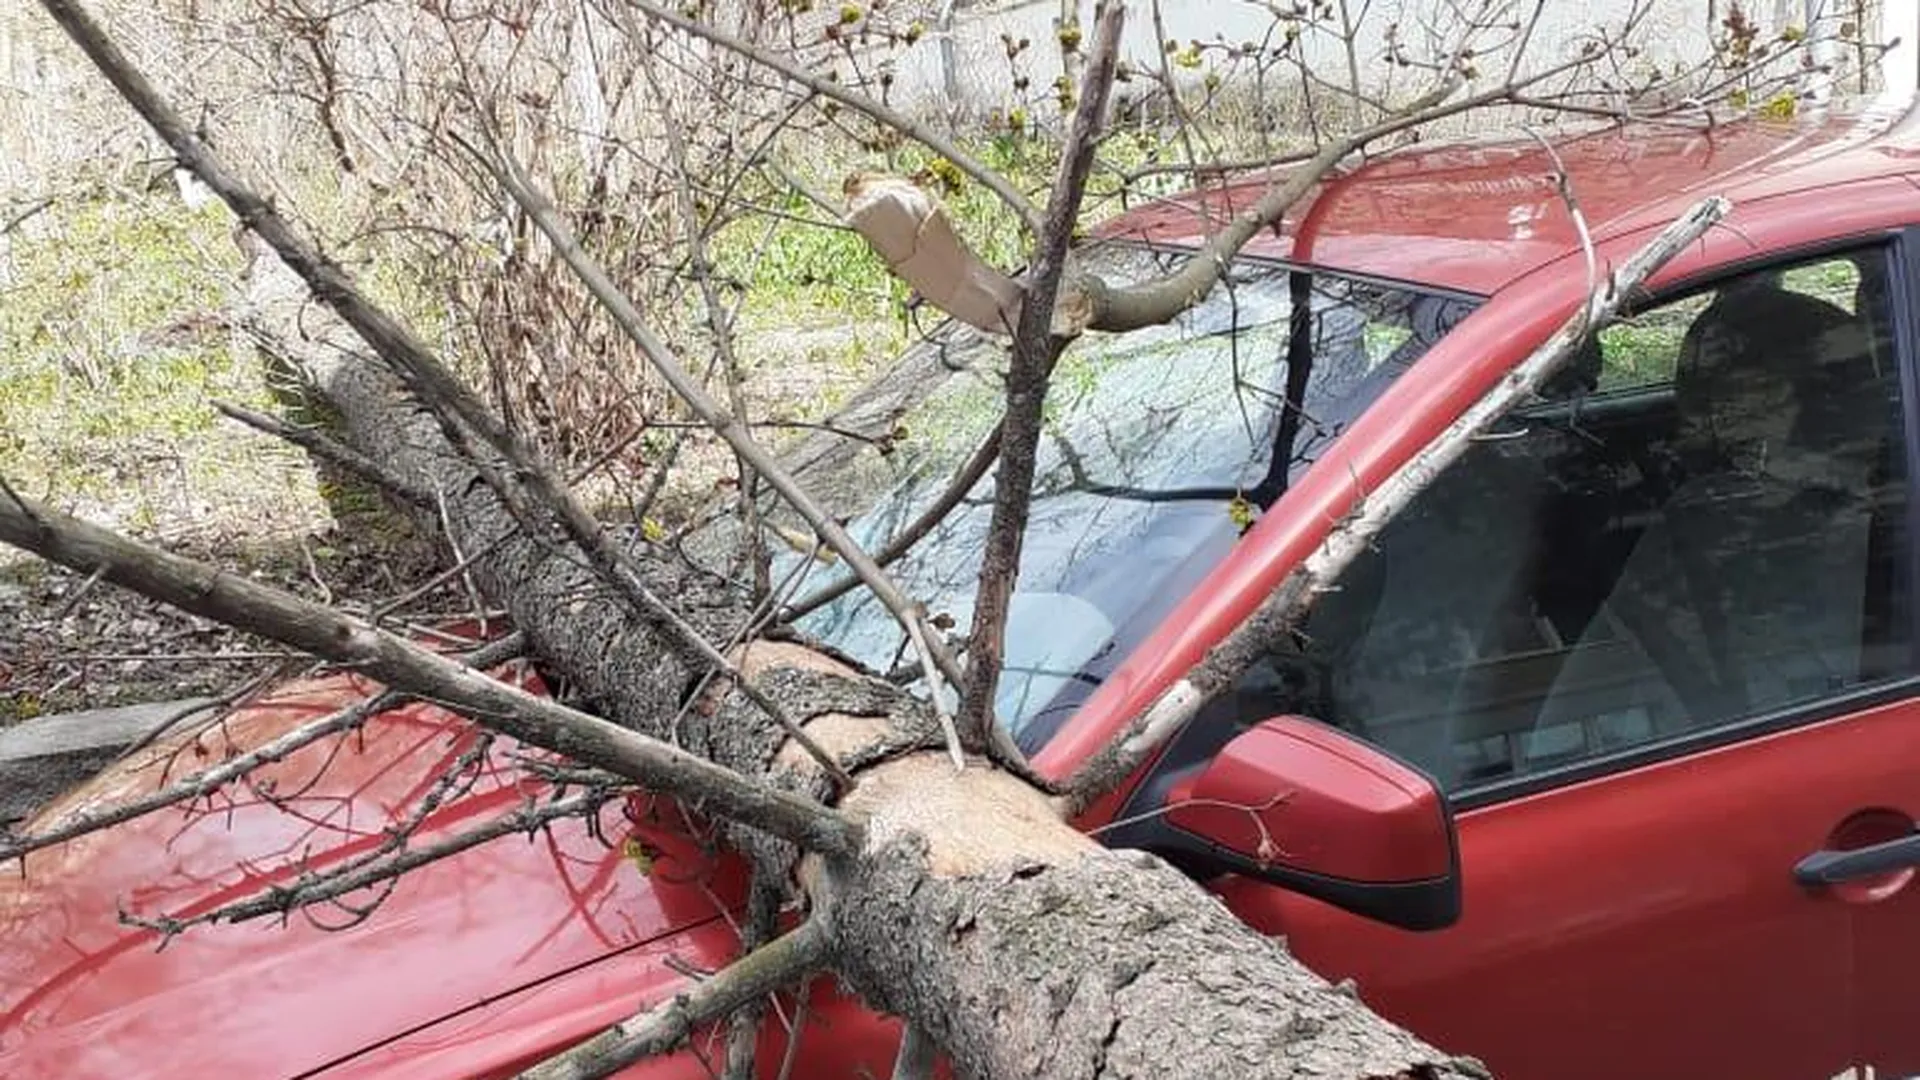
{"x":1021,"y":946}
{"x":1025,"y":949}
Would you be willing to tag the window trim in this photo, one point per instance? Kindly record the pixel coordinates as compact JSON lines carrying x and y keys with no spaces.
{"x":1903,"y":279}
{"x":1732,"y":732}
{"x":1900,"y":247}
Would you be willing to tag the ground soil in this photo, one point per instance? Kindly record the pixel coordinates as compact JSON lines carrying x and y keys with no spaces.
{"x":69,"y":644}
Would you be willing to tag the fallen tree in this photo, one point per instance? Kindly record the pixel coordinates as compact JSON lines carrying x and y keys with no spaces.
{"x":959,"y":898}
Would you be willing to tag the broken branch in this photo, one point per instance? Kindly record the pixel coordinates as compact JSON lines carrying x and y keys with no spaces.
{"x":204,"y":783}
{"x":724,"y":423}
{"x":778,"y":963}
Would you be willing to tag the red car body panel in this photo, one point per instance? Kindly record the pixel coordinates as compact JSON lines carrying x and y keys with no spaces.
{"x":81,"y":994}
{"x":1639,"y":890}
{"x":481,"y":964}
{"x":472,"y":966}
{"x":1476,"y":217}
{"x":503,"y":1036}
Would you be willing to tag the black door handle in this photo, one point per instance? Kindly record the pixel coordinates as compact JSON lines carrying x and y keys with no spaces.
{"x":1836,"y":867}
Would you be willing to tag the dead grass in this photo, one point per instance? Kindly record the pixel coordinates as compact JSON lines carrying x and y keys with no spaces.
{"x":115,"y":347}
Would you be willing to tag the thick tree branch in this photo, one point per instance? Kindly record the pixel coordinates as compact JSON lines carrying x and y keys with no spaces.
{"x":1226,"y":661}
{"x":1023,"y":949}
{"x":408,"y":668}
{"x":1149,"y":303}
{"x":430,"y":381}
{"x":1036,"y":346}
{"x":1154,"y":302}
{"x":780,"y":962}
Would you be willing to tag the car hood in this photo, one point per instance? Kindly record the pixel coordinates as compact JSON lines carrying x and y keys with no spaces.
{"x":84,"y":993}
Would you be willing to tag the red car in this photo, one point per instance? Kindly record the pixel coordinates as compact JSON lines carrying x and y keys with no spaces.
{"x":1604,"y":762}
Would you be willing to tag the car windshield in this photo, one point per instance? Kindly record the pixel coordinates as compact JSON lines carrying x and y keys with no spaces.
{"x":1160,"y":445}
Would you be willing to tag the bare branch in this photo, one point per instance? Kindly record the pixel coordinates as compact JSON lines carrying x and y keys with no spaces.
{"x":308,"y":889}
{"x":720,"y":332}
{"x":827,"y":88}
{"x":201,"y":784}
{"x":414,"y":363}
{"x":1147,"y":304}
{"x":724,"y":423}
{"x":910,"y":230}
{"x":764,"y":895}
{"x":320,"y":446}
{"x":778,"y":963}
{"x":404,"y":666}
{"x":964,"y":481}
{"x":1036,"y":346}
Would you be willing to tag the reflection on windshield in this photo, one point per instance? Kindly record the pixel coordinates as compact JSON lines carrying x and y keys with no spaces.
{"x":1160,"y":445}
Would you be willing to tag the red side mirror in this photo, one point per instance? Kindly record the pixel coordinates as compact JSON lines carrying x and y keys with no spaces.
{"x":1309,"y":808}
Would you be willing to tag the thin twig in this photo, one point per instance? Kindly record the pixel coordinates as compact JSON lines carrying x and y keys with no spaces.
{"x":969,"y":475}
{"x":858,"y":102}
{"x":320,"y":446}
{"x":779,"y":963}
{"x":203,"y":783}
{"x":73,"y":600}
{"x":221,"y":707}
{"x":1563,"y":183}
{"x":309,"y":889}
{"x":14,"y":497}
{"x":719,"y":325}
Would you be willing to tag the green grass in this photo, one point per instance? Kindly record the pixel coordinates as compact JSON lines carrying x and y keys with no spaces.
{"x":1645,"y":349}
{"x":111,"y":355}
{"x":105,"y":395}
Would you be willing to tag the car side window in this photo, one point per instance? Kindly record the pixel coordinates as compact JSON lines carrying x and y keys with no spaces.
{"x":1705,"y":522}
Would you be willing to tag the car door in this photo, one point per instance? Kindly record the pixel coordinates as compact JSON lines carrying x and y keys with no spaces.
{"x":1653,"y":638}
{"x":1886,"y":911}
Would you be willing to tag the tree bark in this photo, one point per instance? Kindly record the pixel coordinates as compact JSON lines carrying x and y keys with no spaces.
{"x":1026,"y":949}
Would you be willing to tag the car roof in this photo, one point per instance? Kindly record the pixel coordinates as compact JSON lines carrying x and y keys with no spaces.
{"x":1474,"y":216}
